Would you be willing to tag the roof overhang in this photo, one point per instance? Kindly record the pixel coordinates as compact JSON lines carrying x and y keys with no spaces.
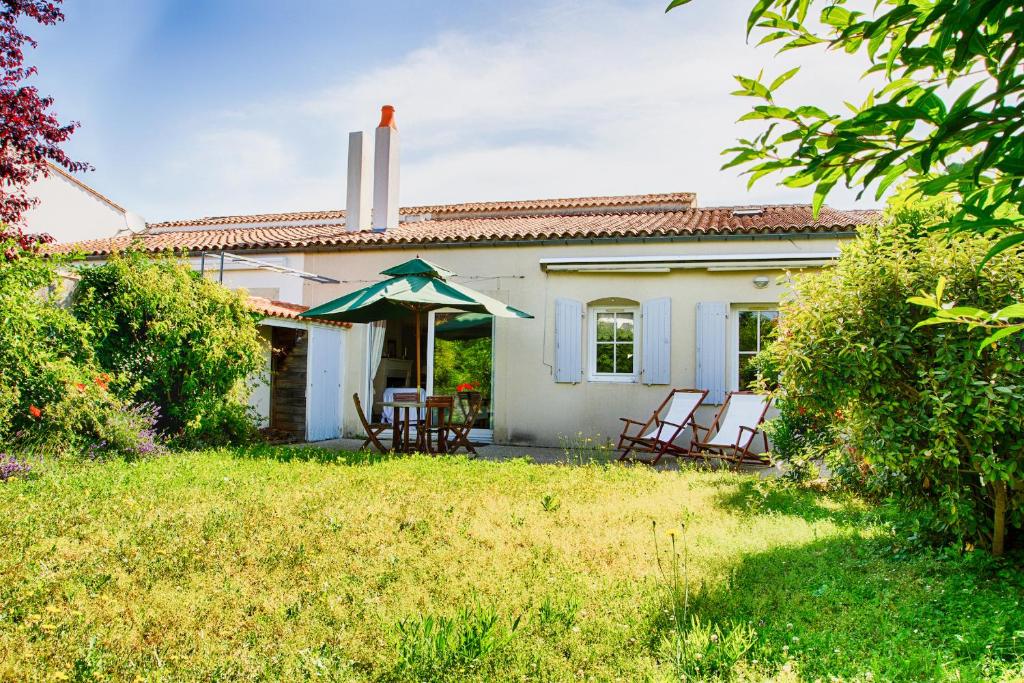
{"x":709,"y":262}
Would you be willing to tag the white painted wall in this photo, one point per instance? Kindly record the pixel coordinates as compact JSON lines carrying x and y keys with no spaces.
{"x":259,"y":385}
{"x":530,"y":407}
{"x":70,"y":212}
{"x":265,"y":283}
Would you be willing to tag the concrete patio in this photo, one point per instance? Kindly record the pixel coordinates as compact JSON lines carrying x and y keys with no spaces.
{"x":541,"y":455}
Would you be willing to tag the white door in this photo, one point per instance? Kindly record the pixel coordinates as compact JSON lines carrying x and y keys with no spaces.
{"x":324,"y":383}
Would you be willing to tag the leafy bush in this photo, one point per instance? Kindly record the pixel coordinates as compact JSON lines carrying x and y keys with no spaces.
{"x":53,"y":397}
{"x":922,"y":416}
{"x":173,"y":339}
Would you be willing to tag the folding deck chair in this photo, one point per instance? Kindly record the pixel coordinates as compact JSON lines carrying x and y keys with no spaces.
{"x":657,"y":436}
{"x":373,"y":429}
{"x":732,"y":432}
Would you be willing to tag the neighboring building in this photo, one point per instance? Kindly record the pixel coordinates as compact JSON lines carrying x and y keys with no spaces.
{"x":71,"y":211}
{"x":631,"y":294}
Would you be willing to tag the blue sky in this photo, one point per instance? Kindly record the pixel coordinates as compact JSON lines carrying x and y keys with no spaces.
{"x":193,"y":108}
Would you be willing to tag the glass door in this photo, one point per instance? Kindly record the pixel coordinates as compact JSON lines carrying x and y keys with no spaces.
{"x":460,"y":354}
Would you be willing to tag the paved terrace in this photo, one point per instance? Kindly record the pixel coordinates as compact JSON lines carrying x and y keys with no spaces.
{"x":539,"y":454}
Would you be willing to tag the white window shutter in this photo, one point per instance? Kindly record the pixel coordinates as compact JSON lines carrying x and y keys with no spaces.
{"x":712,"y":345}
{"x":656,"y":340}
{"x":568,"y":341}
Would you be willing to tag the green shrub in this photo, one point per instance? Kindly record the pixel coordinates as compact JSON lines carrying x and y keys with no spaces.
{"x":173,"y":339}
{"x":50,"y":400}
{"x":921,"y":417}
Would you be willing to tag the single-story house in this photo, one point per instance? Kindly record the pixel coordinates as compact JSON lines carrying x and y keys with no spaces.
{"x":631,"y":295}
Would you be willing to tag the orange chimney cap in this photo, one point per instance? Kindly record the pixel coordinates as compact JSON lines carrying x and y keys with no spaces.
{"x":387,"y":117}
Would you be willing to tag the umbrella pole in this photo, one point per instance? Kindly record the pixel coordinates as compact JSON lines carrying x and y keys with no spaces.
{"x":417,"y":352}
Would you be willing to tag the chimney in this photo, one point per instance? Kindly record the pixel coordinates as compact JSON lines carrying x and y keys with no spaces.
{"x":357,"y":209}
{"x":385,"y":172}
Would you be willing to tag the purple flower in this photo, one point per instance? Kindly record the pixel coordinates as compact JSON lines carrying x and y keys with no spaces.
{"x":11,"y":467}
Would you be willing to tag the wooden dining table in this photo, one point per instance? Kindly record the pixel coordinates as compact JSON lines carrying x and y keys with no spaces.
{"x":400,"y":425}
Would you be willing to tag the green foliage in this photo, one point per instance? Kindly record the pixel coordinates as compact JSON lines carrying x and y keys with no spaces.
{"x":53,"y":399}
{"x":919,"y":413}
{"x":945,"y":116}
{"x":441,"y":648}
{"x":174,"y":339}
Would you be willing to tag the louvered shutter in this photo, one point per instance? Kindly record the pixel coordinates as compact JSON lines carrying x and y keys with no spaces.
{"x":656,"y":340}
{"x":568,"y":341}
{"x":712,"y":345}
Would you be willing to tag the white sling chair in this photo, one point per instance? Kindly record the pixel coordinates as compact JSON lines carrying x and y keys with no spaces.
{"x":732,"y":432}
{"x":657,"y":436}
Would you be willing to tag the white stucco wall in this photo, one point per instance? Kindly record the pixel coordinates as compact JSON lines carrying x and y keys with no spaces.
{"x":69,"y":212}
{"x":259,"y":282}
{"x":530,"y":408}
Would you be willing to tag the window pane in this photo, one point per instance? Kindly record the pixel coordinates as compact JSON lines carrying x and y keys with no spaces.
{"x":624,"y":359}
{"x":625,"y":327}
{"x":769,"y":323}
{"x":748,"y":330}
{"x":605,"y":327}
{"x":747,"y":373}
{"x":605,"y":358}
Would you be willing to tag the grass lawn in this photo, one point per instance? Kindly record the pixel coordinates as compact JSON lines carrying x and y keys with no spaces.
{"x":291,"y":564}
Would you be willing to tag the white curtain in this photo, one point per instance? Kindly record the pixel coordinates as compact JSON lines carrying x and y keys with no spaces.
{"x":376,"y":346}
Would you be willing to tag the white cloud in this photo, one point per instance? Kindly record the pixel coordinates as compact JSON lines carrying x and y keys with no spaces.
{"x":601,"y":98}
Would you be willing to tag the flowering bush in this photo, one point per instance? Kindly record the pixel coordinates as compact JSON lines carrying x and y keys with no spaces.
{"x":53,"y":397}
{"x":918,"y":416}
{"x":173,"y":339}
{"x":11,"y":467}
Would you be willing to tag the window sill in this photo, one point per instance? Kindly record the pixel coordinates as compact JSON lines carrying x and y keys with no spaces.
{"x":613,"y":379}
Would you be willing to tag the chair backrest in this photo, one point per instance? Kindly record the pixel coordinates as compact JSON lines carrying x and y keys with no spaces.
{"x":360,"y":413}
{"x":742,"y":409}
{"x":470,"y":402}
{"x":681,"y":404}
{"x":411,"y":397}
{"x":442,"y":407}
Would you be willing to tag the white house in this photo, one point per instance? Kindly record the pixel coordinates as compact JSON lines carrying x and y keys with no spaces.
{"x":632,"y":294}
{"x":71,"y":211}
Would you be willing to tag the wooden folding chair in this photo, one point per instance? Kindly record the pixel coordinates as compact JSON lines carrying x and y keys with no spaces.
{"x":373,"y":429}
{"x":731,"y":434}
{"x":657,"y":436}
{"x":471,"y":403}
{"x":437,"y":423}
{"x":412,"y":417}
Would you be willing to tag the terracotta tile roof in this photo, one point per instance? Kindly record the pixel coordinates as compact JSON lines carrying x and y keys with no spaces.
{"x":663,"y":201}
{"x":632,"y":217}
{"x":283,"y":309}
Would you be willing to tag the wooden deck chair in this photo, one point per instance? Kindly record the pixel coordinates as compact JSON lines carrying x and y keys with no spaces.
{"x":437,"y":423}
{"x":732,"y":432}
{"x":470,"y":403}
{"x":373,"y":429}
{"x":657,"y":436}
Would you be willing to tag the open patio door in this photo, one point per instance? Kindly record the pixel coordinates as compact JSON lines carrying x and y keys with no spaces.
{"x":460,"y":354}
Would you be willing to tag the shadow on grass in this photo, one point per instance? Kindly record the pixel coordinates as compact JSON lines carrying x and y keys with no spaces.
{"x":753,"y":497}
{"x":847,"y":606}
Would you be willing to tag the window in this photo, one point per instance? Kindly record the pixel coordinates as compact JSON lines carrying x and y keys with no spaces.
{"x":755,"y":329}
{"x":613,"y":344}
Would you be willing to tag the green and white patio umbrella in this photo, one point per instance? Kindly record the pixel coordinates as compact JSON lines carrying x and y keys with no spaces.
{"x":413,"y":288}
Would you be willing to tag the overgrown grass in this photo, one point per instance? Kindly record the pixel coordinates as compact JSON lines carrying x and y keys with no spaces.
{"x":300,"y":563}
